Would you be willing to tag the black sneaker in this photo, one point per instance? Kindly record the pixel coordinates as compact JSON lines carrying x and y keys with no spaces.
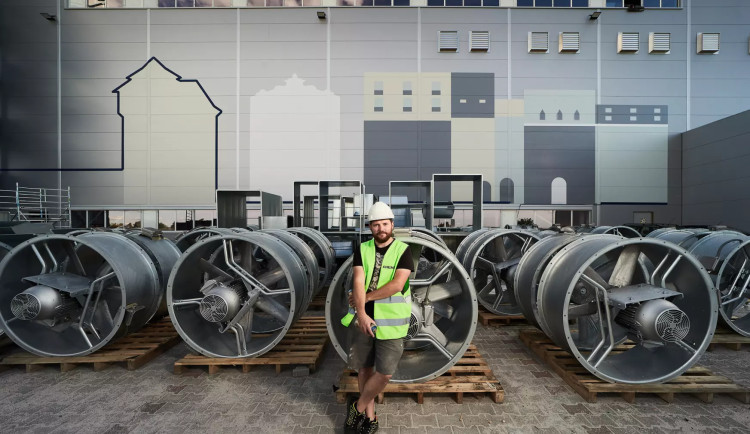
{"x":369,"y":426}
{"x":353,"y":418}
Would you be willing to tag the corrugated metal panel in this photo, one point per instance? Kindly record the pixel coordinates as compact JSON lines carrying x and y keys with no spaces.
{"x":659,"y":42}
{"x":479,"y":40}
{"x":448,"y":40}
{"x":538,"y":42}
{"x":708,"y":42}
{"x":570,"y":42}
{"x":628,"y":42}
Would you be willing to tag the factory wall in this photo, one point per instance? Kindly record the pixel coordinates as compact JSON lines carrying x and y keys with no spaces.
{"x":714,"y":176}
{"x":258,"y":98}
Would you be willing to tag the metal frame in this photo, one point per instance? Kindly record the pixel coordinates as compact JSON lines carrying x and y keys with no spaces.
{"x":477,"y":199}
{"x":428,"y":186}
{"x":324,"y":189}
{"x":231,"y":207}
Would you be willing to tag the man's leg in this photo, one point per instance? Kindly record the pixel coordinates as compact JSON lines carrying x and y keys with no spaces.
{"x":387,"y":356}
{"x":373,"y":386}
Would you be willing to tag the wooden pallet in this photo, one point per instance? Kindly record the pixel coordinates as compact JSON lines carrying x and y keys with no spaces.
{"x":318,"y":303}
{"x":488,"y":318}
{"x":728,"y":338}
{"x":133,"y":350}
{"x":697,"y":380}
{"x":303,"y":344}
{"x":471,"y":374}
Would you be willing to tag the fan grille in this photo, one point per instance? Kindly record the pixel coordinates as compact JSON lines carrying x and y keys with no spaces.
{"x":25,"y":306}
{"x":672,"y":325}
{"x":214,"y":308}
{"x":413,"y":327}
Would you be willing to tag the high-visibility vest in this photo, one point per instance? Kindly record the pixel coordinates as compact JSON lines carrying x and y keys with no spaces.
{"x":391,"y":314}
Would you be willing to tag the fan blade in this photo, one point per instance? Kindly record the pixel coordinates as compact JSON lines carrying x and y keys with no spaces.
{"x":218,"y":273}
{"x":273,"y":308}
{"x":487,"y":288}
{"x":272,"y":277}
{"x":443,"y":309}
{"x":594,"y":276}
{"x":436,"y":334}
{"x":246,"y":256}
{"x":440,"y":291}
{"x":499,"y":248}
{"x":74,"y":259}
{"x":622,"y":275}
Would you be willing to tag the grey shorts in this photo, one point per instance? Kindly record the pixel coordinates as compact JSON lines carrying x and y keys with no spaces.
{"x":366,"y":351}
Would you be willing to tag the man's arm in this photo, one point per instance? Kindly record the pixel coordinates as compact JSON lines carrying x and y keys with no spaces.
{"x":390,"y":288}
{"x":364,"y":322}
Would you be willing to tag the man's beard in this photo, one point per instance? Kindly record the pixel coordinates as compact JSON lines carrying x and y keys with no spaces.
{"x":382,"y":236}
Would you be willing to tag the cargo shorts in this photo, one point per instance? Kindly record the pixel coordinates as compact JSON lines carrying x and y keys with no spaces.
{"x":366,"y":351}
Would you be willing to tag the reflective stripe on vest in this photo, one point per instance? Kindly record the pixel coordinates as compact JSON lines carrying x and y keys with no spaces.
{"x":391,"y":314}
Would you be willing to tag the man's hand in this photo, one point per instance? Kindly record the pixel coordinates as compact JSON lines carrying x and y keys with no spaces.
{"x":365,"y":323}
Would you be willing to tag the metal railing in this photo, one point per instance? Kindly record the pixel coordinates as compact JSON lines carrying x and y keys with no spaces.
{"x":37,"y":205}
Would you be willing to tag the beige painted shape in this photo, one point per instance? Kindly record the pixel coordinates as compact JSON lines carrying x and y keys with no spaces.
{"x":170,"y":139}
{"x":473,"y":152}
{"x":393,"y":97}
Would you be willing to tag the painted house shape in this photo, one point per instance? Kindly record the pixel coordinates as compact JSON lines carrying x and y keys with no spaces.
{"x":169,"y":134}
{"x":559,"y":147}
{"x":407,"y":129}
{"x":294,"y":128}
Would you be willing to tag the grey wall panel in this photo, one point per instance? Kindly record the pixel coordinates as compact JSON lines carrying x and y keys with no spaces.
{"x":552,"y":152}
{"x":714,"y":173}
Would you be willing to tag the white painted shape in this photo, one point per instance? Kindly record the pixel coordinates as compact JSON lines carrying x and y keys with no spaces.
{"x":559,"y":191}
{"x":295,"y":134}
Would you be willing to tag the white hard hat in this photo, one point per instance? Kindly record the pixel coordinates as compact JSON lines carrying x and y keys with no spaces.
{"x":379,"y":211}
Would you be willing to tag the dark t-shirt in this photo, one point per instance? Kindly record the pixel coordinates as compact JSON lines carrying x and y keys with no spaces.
{"x":404,"y":262}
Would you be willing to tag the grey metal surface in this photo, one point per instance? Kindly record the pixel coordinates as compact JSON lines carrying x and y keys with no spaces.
{"x":315,"y":275}
{"x":324,"y":251}
{"x":123,"y":295}
{"x":726,"y":256}
{"x":491,"y":260}
{"x":684,"y":238}
{"x":267,"y":276}
{"x":189,"y":238}
{"x":164,"y":253}
{"x":444,"y":312}
{"x":530,"y":269}
{"x":573,"y":300}
{"x":623,"y":231}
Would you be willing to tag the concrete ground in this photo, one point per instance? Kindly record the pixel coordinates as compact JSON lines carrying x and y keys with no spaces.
{"x":153,"y":399}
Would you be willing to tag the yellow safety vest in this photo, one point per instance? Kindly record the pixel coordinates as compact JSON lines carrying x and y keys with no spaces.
{"x":391,"y":314}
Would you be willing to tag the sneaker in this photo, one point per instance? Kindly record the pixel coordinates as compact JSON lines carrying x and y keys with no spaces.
{"x":369,"y":426}
{"x":353,"y":418}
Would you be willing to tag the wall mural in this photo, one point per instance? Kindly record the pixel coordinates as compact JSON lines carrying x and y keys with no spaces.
{"x":551,"y":147}
{"x":170,"y":138}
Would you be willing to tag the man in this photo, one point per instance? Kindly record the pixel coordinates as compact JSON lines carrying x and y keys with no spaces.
{"x":380,"y":305}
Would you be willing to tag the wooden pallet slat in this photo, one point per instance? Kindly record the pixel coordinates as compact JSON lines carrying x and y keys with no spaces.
{"x":303,"y":345}
{"x":488,"y":318}
{"x":728,"y":338}
{"x":460,"y":379}
{"x":133,"y":350}
{"x":697,"y":381}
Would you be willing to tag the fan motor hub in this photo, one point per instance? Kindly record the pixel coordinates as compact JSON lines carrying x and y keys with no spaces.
{"x":39,"y":302}
{"x":221,"y":303}
{"x":655,"y":320}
